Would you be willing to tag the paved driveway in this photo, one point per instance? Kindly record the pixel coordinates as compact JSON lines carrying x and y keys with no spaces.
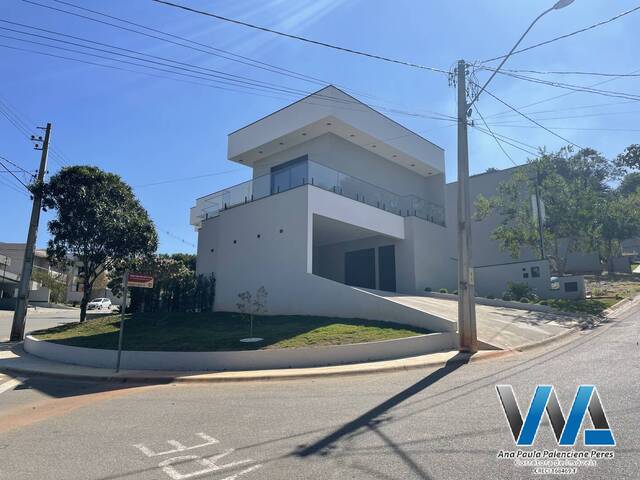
{"x":498,"y":326}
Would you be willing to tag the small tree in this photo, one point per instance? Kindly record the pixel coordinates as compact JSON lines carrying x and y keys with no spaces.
{"x":98,"y":221}
{"x":573,"y":188}
{"x":255,"y":307}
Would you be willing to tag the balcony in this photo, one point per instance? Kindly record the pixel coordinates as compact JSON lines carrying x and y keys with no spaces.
{"x":304,"y":172}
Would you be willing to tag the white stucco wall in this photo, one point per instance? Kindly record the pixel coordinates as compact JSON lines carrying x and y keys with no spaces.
{"x":283,"y":262}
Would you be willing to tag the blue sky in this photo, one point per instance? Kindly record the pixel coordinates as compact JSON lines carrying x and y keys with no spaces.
{"x":152,"y":130}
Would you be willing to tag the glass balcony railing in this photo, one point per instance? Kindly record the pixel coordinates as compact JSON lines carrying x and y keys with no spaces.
{"x":310,"y":173}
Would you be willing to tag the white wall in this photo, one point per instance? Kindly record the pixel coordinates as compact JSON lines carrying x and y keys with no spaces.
{"x":282,"y":262}
{"x":493,"y":280}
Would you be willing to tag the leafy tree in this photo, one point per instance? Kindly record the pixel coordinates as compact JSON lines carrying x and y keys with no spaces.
{"x":620,"y":220}
{"x":630,"y":183}
{"x":573,"y":189}
{"x":630,"y":158}
{"x":54,"y":281}
{"x":176,"y":286}
{"x":98,"y":221}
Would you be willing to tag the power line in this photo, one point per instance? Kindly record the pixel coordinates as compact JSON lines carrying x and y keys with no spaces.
{"x":562,"y":95}
{"x":519,"y":144}
{"x":11,"y":186}
{"x":193,"y":45}
{"x":532,"y":120}
{"x":494,"y":137}
{"x":284,"y":90}
{"x":22,"y":125}
{"x":576,"y":88}
{"x":509,"y":113}
{"x":546,"y":42}
{"x":18,"y":166}
{"x":13,"y":175}
{"x":556,"y":72}
{"x":183,"y":179}
{"x":303,"y":39}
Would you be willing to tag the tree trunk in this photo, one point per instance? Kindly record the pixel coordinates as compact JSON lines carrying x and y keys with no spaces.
{"x":86,"y":297}
{"x":610,"y":257}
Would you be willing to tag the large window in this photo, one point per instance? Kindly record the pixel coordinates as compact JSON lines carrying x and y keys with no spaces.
{"x":289,"y":175}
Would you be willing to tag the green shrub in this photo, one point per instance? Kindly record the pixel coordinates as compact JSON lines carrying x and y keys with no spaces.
{"x":490,"y":297}
{"x":443,"y":290}
{"x":427,"y":289}
{"x":519,"y":290}
{"x":455,"y":292}
{"x":543,"y":302}
{"x":524,"y":300}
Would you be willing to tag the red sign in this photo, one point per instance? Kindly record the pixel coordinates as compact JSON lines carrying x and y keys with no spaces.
{"x":142,"y":281}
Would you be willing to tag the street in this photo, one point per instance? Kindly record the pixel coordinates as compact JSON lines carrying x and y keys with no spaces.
{"x":435,"y":423}
{"x":38,"y":319}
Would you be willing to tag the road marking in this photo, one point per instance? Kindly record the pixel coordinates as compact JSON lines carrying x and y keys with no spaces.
{"x":11,"y":384}
{"x":179,"y":446}
{"x":170,"y":465}
{"x":209,"y":464}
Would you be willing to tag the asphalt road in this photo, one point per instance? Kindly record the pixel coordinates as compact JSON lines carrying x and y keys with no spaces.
{"x":37,"y":319}
{"x":440,"y":423}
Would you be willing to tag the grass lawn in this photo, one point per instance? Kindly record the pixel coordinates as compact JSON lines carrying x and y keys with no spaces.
{"x":593,"y":306}
{"x":199,"y":332}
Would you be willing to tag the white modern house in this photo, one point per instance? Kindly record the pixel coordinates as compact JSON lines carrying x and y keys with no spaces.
{"x":344,"y":203}
{"x":344,"y":215}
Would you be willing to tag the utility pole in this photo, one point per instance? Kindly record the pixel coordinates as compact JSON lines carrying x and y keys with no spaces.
{"x":539,"y":211}
{"x":20,"y":313}
{"x":466,"y":288}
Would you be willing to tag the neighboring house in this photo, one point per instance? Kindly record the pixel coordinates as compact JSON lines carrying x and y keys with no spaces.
{"x":340,"y":194}
{"x":486,"y":251}
{"x":75,"y":286}
{"x":11,"y":259}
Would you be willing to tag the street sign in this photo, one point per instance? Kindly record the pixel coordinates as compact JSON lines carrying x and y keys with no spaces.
{"x":141,"y":281}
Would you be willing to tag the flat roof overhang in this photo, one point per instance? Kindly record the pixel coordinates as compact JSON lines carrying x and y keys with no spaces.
{"x":332,"y":111}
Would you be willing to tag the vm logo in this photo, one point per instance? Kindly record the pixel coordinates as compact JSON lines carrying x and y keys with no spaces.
{"x":566,"y":432}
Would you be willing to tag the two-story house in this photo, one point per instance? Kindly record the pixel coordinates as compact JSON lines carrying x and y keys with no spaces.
{"x":343,"y":203}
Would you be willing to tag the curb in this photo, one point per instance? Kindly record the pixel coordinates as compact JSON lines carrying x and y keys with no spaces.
{"x":261,"y":375}
{"x":404,"y":364}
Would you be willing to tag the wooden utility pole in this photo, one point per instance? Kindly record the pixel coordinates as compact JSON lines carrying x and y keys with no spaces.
{"x":20,"y":313}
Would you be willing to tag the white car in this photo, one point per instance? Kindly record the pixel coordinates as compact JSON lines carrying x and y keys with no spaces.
{"x":99,"y":304}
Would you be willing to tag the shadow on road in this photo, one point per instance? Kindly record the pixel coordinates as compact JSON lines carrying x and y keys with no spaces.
{"x":372,"y":418}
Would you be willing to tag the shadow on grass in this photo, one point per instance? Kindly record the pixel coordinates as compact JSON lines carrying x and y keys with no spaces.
{"x":222,"y":331}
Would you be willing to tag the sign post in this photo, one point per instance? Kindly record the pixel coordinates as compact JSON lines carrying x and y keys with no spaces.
{"x":129,"y":280}
{"x":123,"y":309}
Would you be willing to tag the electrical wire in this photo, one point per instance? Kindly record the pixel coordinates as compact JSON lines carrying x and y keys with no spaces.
{"x":251,"y":89}
{"x":532,"y":120}
{"x":193,"y":45}
{"x":183,"y":179}
{"x":494,"y":137}
{"x":555,"y":97}
{"x":576,"y":88}
{"x":13,"y":175}
{"x":303,"y":39}
{"x":555,"y":39}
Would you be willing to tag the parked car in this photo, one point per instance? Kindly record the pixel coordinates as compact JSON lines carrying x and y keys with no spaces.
{"x":99,"y":304}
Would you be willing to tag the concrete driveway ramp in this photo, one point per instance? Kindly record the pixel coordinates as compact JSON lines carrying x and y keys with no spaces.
{"x":498,"y":327}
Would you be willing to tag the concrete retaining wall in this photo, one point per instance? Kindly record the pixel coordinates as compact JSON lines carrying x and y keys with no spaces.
{"x":245,"y":360}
